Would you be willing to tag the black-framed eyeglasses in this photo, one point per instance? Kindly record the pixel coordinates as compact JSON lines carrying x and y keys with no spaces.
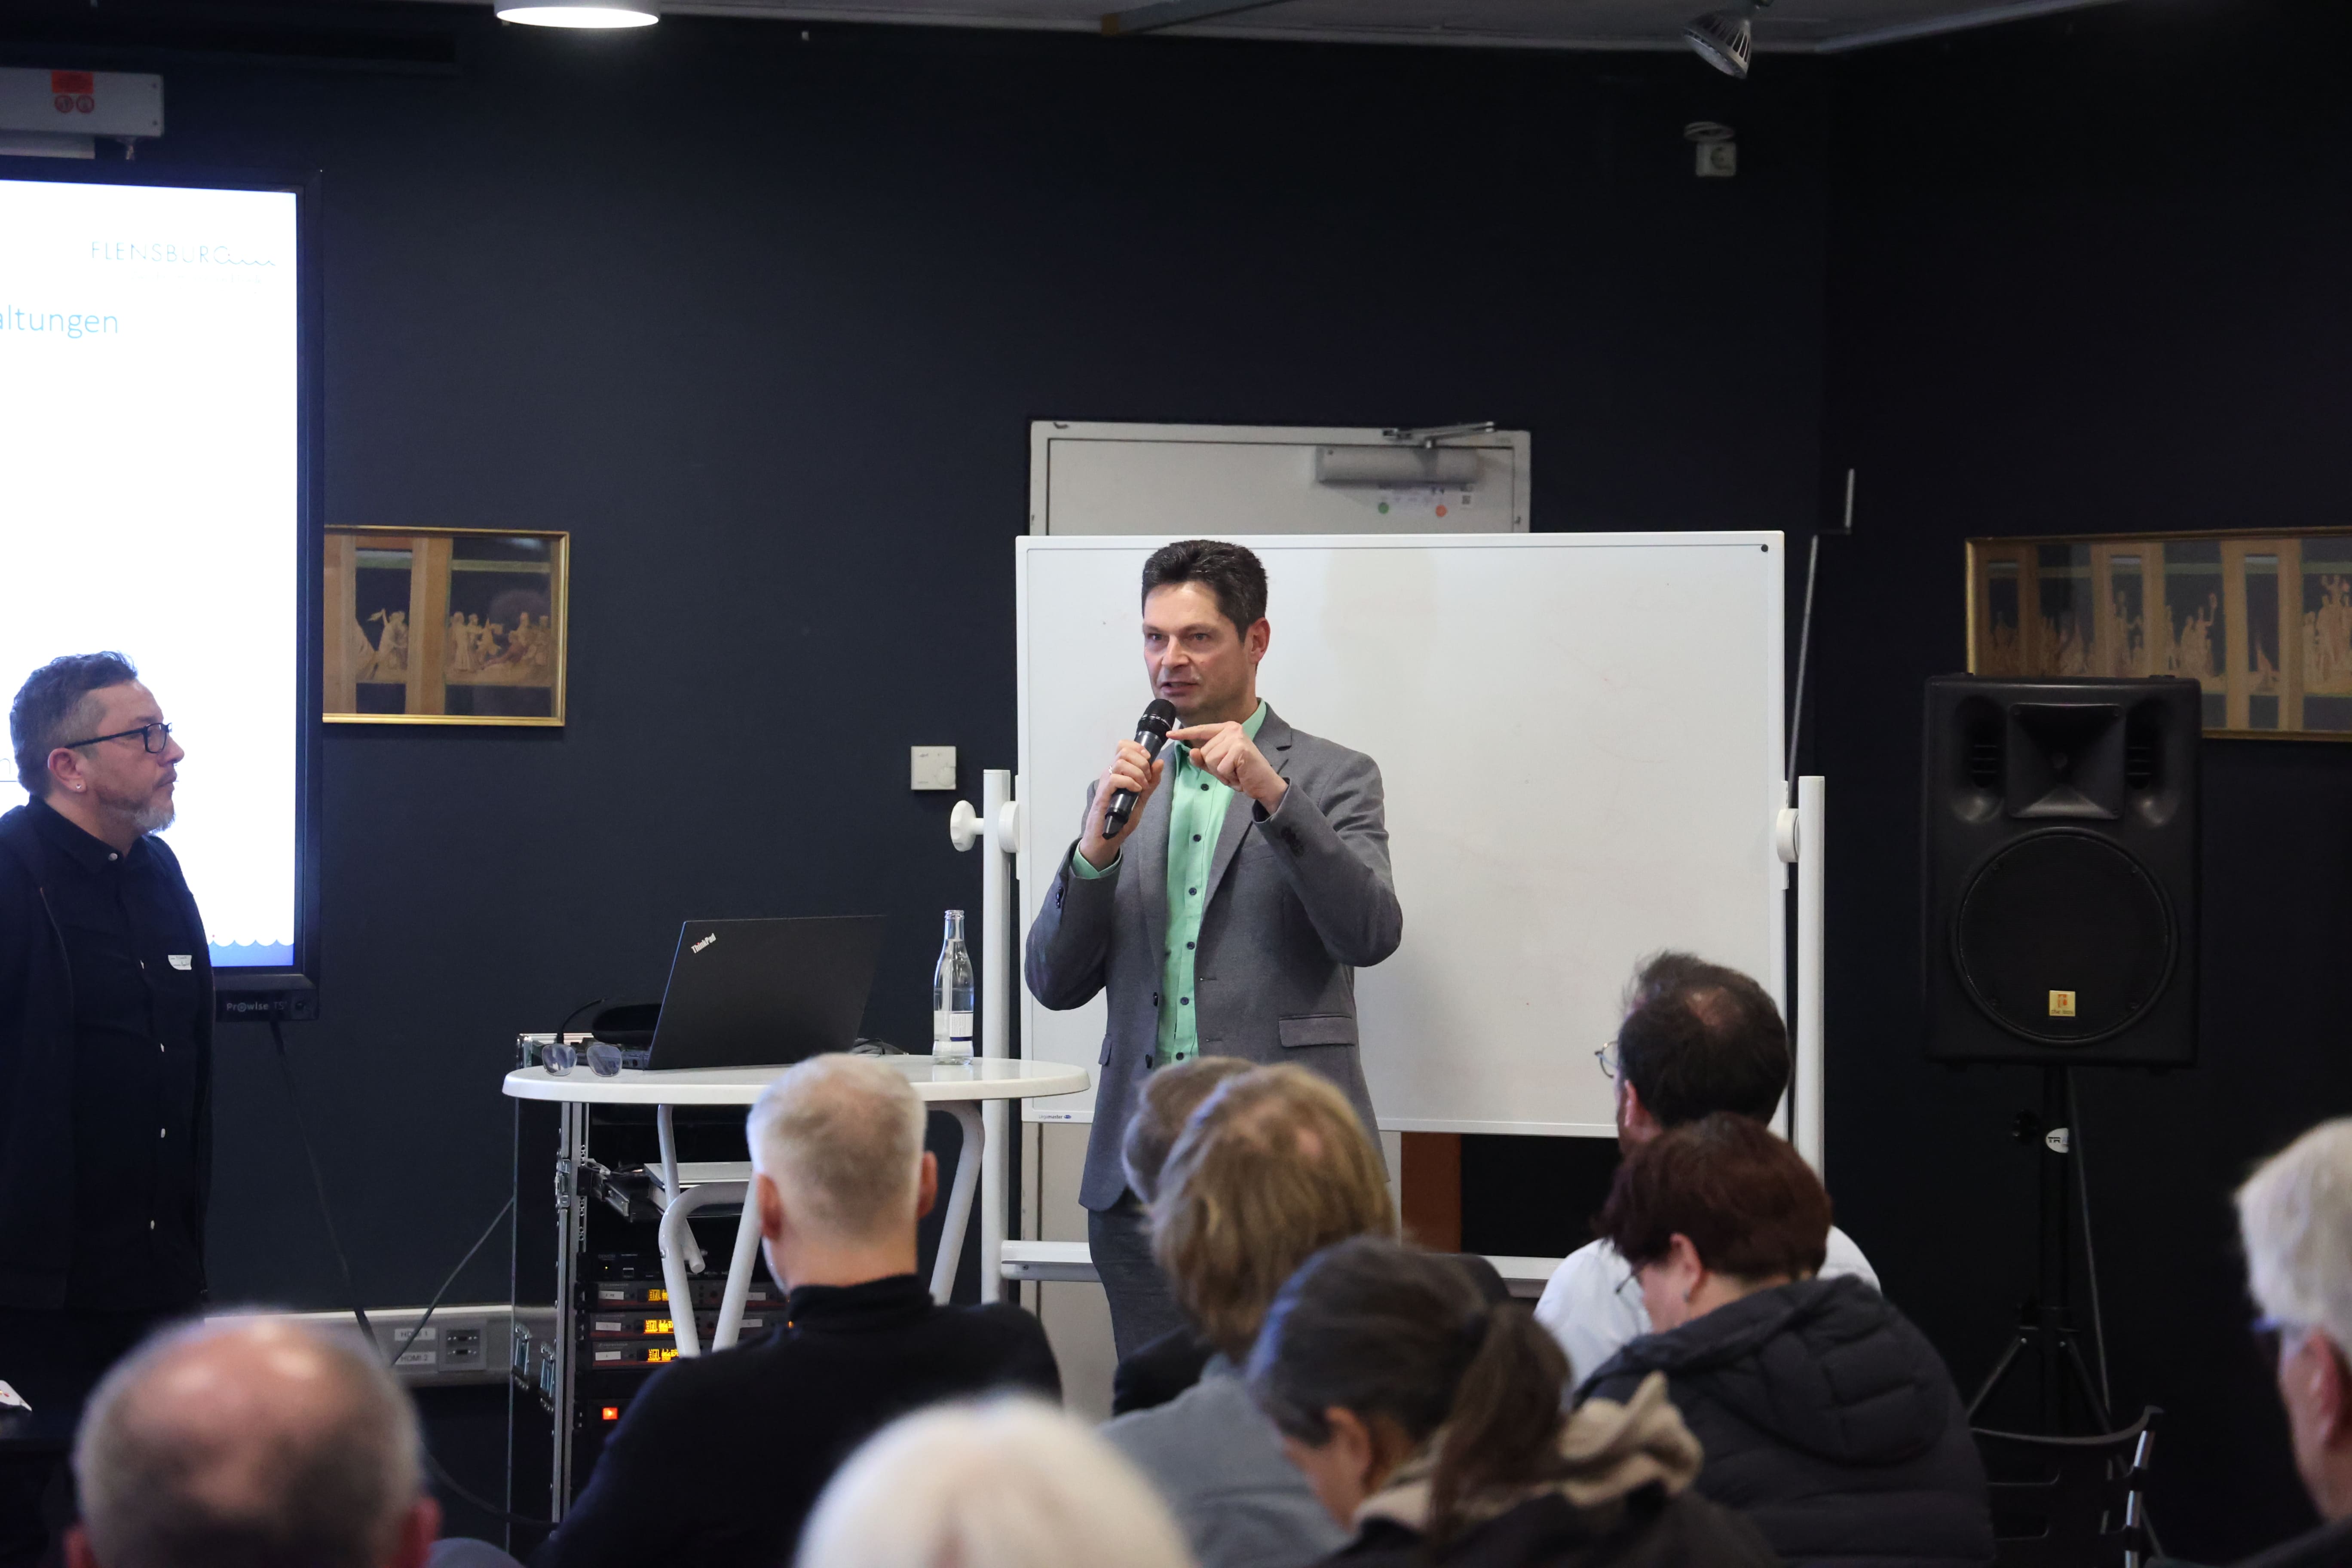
{"x":155,"y":738}
{"x":1607,"y":1056}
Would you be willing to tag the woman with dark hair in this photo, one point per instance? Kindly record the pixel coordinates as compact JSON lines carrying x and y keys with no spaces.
{"x":1429,"y":1421}
{"x":1827,"y":1418}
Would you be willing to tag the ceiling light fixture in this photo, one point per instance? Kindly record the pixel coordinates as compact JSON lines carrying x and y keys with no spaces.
{"x":581,"y":13}
{"x":1725,"y":40}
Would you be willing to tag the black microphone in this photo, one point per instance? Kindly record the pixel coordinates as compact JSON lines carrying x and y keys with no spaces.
{"x":1150,"y":733}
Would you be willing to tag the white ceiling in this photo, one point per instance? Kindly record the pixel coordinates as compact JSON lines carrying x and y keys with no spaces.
{"x":1788,"y":26}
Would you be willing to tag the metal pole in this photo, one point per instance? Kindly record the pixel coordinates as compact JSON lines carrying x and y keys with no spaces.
{"x":997,"y":948}
{"x":1806,"y":1100}
{"x":2055,"y":1323}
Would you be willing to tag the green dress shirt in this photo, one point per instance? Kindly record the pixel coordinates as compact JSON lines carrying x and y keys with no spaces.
{"x":1196,"y":815}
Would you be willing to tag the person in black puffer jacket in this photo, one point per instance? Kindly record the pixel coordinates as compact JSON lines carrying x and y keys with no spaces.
{"x":1827,"y":1417}
{"x":1428,"y":1419}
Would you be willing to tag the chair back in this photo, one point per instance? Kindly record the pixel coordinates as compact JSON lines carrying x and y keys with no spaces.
{"x":2071,"y":1502}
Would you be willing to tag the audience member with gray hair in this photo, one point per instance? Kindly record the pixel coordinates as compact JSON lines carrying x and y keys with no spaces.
{"x":720,"y":1458}
{"x":2295,"y":1216}
{"x":1008,"y":1484}
{"x":254,"y":1442}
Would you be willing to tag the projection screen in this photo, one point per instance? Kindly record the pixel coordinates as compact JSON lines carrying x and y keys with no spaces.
{"x":152,"y":403}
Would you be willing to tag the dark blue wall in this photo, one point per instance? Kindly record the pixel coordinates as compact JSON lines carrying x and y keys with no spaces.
{"x":2087,"y":276}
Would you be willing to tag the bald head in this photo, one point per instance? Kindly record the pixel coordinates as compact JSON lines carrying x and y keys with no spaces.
{"x":254,"y":1441}
{"x":841,"y":1139}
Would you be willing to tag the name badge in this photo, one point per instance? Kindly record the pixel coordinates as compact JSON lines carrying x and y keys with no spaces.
{"x":180,"y":959}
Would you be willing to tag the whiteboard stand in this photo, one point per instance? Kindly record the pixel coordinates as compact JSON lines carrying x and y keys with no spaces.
{"x":1801,"y":842}
{"x":998,"y":823}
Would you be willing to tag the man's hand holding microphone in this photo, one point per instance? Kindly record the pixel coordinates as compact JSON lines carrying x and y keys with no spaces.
{"x":1224,"y":751}
{"x":1126,"y":785}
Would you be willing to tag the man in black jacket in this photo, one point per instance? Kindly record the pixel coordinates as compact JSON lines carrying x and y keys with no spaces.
{"x":1826,"y":1417}
{"x":105,"y":1059}
{"x":720,"y":1459}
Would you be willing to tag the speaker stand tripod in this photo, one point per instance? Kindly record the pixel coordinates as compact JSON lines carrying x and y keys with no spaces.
{"x":2045,"y":1324}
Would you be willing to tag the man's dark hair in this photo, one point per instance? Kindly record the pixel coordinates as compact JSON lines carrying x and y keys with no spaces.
{"x":49,"y":704}
{"x":1751,"y":1206}
{"x":1232,"y":574}
{"x":1162,"y":1107}
{"x":1699,"y":1039}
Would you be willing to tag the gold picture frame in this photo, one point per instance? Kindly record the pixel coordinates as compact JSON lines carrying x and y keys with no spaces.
{"x":445,"y":625}
{"x":2261,"y":620}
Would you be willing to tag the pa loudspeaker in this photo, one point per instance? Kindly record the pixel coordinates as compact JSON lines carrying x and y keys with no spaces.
{"x":2059,"y":871}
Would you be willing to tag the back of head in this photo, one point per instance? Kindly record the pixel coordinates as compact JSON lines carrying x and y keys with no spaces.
{"x":1698,"y":1038}
{"x":250,"y":1444}
{"x":1009,"y":1484}
{"x":842,"y":1137}
{"x":51,"y":707}
{"x":1751,"y":1207}
{"x":1380,"y":1329}
{"x":1170,"y":1097}
{"x":1270,"y":1169}
{"x":2294,"y":1214}
{"x":1232,"y":574}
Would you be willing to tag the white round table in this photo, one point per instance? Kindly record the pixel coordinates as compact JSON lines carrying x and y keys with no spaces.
{"x":958,"y":1090}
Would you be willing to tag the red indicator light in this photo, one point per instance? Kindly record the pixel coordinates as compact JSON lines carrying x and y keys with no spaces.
{"x":612,"y":1413}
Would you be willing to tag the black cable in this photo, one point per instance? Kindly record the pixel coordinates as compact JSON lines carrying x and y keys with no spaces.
{"x":2091,"y":1270}
{"x":350,"y":1289}
{"x":2090,"y":1253}
{"x":491,"y":1229}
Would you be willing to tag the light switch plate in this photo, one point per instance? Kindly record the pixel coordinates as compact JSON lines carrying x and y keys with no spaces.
{"x":934,"y":768}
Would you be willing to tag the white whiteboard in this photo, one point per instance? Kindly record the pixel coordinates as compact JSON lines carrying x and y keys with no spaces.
{"x":1580,"y":734}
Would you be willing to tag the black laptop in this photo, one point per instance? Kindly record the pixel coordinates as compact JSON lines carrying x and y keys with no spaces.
{"x":754,"y":992}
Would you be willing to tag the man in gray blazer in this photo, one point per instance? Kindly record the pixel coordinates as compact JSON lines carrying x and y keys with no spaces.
{"x":1228,"y":916}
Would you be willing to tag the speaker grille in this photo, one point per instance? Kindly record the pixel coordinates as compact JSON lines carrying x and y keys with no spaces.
{"x":1984,"y":761}
{"x":2064,"y":938}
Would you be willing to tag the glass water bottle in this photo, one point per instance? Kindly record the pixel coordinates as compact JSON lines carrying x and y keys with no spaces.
{"x":951,"y":997}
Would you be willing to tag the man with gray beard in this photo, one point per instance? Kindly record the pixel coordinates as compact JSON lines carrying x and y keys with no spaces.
{"x":106,"y":1010}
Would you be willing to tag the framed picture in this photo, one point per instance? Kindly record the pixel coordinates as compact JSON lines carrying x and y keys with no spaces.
{"x":445,"y":625}
{"x":2263,"y":622}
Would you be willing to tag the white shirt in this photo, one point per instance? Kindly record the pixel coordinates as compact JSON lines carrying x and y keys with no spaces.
{"x":1592,"y":1304}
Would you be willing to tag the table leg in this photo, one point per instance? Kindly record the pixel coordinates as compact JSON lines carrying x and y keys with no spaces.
{"x":677,"y":1237}
{"x":959,"y":1214}
{"x":738,"y":1273}
{"x":668,"y":1131}
{"x":675,"y":1278}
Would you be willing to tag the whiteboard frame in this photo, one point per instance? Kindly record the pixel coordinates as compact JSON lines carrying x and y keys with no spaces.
{"x":1043,"y":433}
{"x":1772,"y":795}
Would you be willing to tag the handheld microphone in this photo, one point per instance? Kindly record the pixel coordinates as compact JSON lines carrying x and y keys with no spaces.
{"x":1150,"y":733}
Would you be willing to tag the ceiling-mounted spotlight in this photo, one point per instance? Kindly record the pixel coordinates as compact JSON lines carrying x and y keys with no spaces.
{"x":581,"y":13}
{"x":1725,"y":40}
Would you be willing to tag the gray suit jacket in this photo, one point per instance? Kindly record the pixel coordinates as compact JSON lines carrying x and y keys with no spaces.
{"x":1297,"y":901}
{"x":1218,"y":1461}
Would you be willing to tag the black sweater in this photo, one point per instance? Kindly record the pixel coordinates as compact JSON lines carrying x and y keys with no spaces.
{"x":720,"y":1458}
{"x":1828,"y":1420}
